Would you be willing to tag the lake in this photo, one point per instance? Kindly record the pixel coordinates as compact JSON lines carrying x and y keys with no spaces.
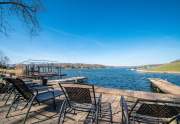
{"x":121,"y":78}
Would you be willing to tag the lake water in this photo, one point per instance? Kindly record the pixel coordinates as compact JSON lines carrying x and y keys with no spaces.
{"x":121,"y":78}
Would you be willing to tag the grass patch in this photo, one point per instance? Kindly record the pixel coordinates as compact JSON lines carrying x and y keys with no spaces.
{"x":7,"y":70}
{"x":174,"y":67}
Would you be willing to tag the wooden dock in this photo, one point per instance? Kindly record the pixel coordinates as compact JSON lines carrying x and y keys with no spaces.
{"x":71,"y":79}
{"x":165,"y":86}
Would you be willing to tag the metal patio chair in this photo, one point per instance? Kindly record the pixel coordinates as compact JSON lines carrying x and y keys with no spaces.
{"x":7,"y":90}
{"x":150,"y":111}
{"x":80,"y":97}
{"x":30,"y":96}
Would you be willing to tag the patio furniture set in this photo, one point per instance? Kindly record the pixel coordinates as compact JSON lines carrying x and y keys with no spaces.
{"x":82,"y":97}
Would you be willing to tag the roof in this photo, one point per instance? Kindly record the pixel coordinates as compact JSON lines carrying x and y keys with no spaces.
{"x":30,"y":61}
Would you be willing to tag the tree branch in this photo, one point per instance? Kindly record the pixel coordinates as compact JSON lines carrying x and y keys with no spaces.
{"x":25,"y":10}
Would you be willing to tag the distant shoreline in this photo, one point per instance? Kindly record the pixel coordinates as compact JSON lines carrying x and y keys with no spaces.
{"x":149,"y":71}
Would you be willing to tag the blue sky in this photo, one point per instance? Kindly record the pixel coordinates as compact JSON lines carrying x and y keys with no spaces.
{"x":110,"y":32}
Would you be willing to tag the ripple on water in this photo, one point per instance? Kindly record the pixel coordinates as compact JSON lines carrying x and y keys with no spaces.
{"x":121,"y":78}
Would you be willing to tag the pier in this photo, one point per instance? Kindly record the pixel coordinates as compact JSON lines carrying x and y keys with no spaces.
{"x":165,"y":86}
{"x":71,"y":79}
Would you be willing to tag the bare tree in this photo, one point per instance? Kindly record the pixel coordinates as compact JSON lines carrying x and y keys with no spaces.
{"x":3,"y":60}
{"x":25,"y":10}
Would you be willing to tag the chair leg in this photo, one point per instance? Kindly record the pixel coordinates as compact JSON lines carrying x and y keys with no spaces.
{"x":13,"y":102}
{"x":25,"y":106}
{"x":17,"y":105}
{"x":99,"y":110}
{"x":74,"y":111}
{"x":111,"y":114}
{"x":96,"y":113}
{"x":54,"y":102}
{"x":122,"y":117}
{"x":30,"y":105}
{"x":61,"y":118}
{"x":8,"y":97}
{"x":6,"y":92}
{"x":62,"y":113}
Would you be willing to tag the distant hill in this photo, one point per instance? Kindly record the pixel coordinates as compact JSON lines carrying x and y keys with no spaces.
{"x":175,"y":61}
{"x":80,"y":65}
{"x":147,"y":67}
{"x":171,"y":67}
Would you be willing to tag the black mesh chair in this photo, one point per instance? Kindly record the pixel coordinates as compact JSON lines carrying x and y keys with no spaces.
{"x":150,"y":111}
{"x":30,"y":96}
{"x":7,"y":90}
{"x":80,"y":97}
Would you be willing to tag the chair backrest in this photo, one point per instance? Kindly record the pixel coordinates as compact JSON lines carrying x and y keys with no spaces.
{"x":124,"y":107}
{"x":79,"y":93}
{"x":21,"y":87}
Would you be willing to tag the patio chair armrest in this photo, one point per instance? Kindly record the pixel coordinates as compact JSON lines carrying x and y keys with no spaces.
{"x":63,"y":106}
{"x":32,"y":84}
{"x":39,"y":88}
{"x":50,"y":88}
{"x":36,"y":93}
{"x":98,"y":107}
{"x":42,"y":88}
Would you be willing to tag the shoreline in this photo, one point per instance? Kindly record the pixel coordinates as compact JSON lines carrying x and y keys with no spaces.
{"x":136,"y":94}
{"x":128,"y":93}
{"x":131,"y":93}
{"x":165,"y":72}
